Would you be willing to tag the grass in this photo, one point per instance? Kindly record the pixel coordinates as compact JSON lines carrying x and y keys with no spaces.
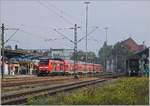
{"x":125,"y":91}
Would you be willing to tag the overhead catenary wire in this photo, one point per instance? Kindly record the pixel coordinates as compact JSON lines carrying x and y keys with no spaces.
{"x":87,"y":34}
{"x":64,"y":13}
{"x":29,"y":33}
{"x":15,"y":41}
{"x":51,"y":10}
{"x":48,"y":40}
{"x":94,"y":40}
{"x":11,"y":36}
{"x":64,"y":36}
{"x":50,"y":29}
{"x":24,"y":31}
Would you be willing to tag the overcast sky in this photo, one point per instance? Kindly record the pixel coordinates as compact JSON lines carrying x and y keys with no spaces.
{"x":37,"y":20}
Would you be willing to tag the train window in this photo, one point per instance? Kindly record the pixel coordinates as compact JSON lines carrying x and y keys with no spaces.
{"x":66,"y":66}
{"x":61,"y":66}
{"x":44,"y":62}
{"x":54,"y":66}
{"x":57,"y":67}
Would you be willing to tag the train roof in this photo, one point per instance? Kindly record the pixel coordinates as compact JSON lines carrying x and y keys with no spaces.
{"x":47,"y":58}
{"x":69,"y":61}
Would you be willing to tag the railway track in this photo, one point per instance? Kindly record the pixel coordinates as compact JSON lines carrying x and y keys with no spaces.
{"x":47,"y":79}
{"x":31,"y":81}
{"x":31,"y":78}
{"x":21,"y":97}
{"x":34,"y":85}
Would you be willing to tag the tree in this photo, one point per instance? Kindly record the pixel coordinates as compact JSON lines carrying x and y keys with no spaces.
{"x":119,"y":53}
{"x":91,"y":56}
{"x":104,"y":53}
{"x":81,"y":56}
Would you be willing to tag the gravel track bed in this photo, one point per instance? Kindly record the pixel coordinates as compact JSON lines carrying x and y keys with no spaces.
{"x":24,"y":82}
{"x":39,"y":84}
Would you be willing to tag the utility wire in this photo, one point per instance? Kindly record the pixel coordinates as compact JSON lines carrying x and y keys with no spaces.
{"x":15,"y":41}
{"x":66,"y":20}
{"x":11,"y":36}
{"x":64,"y":13}
{"x":94,"y":40}
{"x":47,"y":40}
{"x":29,"y":33}
{"x":64,"y":36}
{"x":53,"y":39}
{"x":22,"y":30}
{"x":87,"y":35}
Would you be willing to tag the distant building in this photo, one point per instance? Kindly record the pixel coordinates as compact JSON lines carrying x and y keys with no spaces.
{"x":132,"y":46}
{"x":61,"y":53}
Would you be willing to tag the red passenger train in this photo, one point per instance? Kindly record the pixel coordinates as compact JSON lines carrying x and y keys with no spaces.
{"x":62,"y":67}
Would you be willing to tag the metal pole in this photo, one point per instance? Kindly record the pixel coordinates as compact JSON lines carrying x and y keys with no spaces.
{"x":86,"y":33}
{"x":106,"y":28}
{"x":75,"y":49}
{"x":116,"y":58}
{"x":2,"y":68}
{"x":93,"y":66}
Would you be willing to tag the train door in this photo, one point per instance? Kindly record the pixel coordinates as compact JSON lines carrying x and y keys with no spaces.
{"x":54,"y":67}
{"x":16,"y":70}
{"x":57,"y":67}
{"x":50,"y":67}
{"x":62,"y":69}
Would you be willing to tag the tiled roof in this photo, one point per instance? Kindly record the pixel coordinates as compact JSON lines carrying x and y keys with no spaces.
{"x":131,"y":45}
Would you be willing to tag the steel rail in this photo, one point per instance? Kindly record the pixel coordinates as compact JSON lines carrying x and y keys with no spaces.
{"x":31,"y":86}
{"x":10,"y":84}
{"x":29,"y":78}
{"x":21,"y":97}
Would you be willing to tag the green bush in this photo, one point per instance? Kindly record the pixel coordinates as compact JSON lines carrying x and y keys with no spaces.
{"x":125,"y":91}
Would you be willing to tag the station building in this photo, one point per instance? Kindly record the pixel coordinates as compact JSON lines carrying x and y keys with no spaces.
{"x":18,"y":62}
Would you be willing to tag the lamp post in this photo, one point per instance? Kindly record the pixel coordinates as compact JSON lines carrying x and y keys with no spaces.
{"x":105,"y":60}
{"x":86,"y":32}
{"x":106,"y":29}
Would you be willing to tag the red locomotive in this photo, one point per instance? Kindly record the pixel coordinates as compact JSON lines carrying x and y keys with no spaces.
{"x":61,"y":67}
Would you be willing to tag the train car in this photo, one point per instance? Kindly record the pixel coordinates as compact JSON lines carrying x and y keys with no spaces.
{"x":51,"y":67}
{"x":82,"y":68}
{"x":61,"y":67}
{"x":98,"y":68}
{"x":68,"y":66}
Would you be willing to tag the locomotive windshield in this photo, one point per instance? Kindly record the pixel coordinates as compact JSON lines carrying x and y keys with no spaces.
{"x":44,"y":62}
